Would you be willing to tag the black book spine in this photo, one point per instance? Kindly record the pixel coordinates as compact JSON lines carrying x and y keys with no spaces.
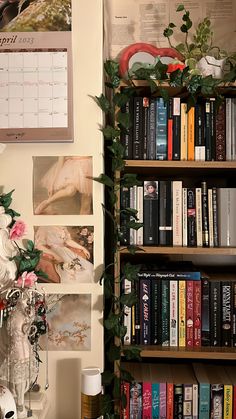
{"x":208,"y":131}
{"x":151,"y":142}
{"x":137,"y":131}
{"x":226,"y":296}
{"x":234,"y":313}
{"x":205,"y":223}
{"x":215,"y":217}
{"x":205,"y":313}
{"x":178,"y":401}
{"x":199,"y":125}
{"x":127,"y":134}
{"x":213,"y":128}
{"x":191,"y":217}
{"x":145,"y":123}
{"x":135,"y":310}
{"x":215,"y":313}
{"x":124,"y":219}
{"x":145,"y":311}
{"x":165,"y":213}
{"x":155,"y":311}
{"x":176,"y":128}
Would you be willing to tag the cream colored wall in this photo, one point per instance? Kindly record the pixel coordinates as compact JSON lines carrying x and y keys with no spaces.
{"x":16,"y":173}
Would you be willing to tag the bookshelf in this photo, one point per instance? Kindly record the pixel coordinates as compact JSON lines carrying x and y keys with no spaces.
{"x":220,"y":173}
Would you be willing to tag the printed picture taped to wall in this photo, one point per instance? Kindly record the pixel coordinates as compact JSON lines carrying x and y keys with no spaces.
{"x":67,"y":253}
{"x":69,"y":323}
{"x":62,"y":185}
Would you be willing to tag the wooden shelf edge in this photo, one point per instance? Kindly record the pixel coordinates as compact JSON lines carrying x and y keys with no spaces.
{"x":181,"y":164}
{"x":170,"y":250}
{"x":195,"y":353}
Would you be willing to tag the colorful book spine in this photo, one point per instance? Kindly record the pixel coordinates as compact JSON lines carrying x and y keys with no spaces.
{"x":189,"y":314}
{"x":228,"y":401}
{"x":165,"y":312}
{"x":184,"y":132}
{"x":161,"y":129}
{"x":177,"y":212}
{"x":174,"y":315}
{"x":226,"y":321}
{"x":147,"y":400}
{"x":145,"y":311}
{"x":136,"y":400}
{"x":170,"y":129}
{"x":162,"y":400}
{"x":182,"y":313}
{"x":170,"y":401}
{"x":204,"y":401}
{"x":205,"y":225}
{"x":191,"y":131}
{"x":127,"y":313}
{"x":125,"y":391}
{"x":197,"y":323}
{"x":176,"y":128}
{"x":155,"y":401}
{"x":234,"y":313}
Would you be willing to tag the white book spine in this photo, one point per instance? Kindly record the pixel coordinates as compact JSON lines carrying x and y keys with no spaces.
{"x":233,"y":128}
{"x":210,"y":218}
{"x":127,"y":314}
{"x":185,"y":217}
{"x":199,"y":216}
{"x":195,"y":401}
{"x":177,"y":212}
{"x":200,"y":153}
{"x":139,"y":234}
{"x":173,"y":313}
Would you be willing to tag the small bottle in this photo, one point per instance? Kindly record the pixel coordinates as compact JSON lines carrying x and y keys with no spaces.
{"x":90,"y":393}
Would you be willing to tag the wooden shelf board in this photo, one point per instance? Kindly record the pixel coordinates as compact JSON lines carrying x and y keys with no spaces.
{"x":196,"y":353}
{"x":181,"y":164}
{"x":226,"y":251}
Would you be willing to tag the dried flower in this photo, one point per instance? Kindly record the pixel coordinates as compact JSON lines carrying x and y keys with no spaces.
{"x":27,"y":279}
{"x":18,"y":230}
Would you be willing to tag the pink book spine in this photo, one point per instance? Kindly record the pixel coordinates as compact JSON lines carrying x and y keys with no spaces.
{"x":147,"y":400}
{"x":189,"y":314}
{"x":197,"y":313}
{"x":162,"y":400}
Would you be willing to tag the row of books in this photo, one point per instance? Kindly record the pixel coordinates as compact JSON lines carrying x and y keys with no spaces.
{"x":181,"y":391}
{"x":181,"y":309}
{"x":162,"y":130}
{"x":173,"y":215}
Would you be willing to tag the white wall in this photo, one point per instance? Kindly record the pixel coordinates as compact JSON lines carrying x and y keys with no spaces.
{"x":16,"y":173}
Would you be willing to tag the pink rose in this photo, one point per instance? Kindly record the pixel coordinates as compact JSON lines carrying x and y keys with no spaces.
{"x":27,"y":279}
{"x":18,"y":230}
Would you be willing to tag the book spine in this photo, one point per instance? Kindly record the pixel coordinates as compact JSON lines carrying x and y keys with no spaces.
{"x":188,"y":401}
{"x":124,"y":220}
{"x":226,"y":325}
{"x":165,"y":312}
{"x":210,"y":218}
{"x":144,"y":133}
{"x":145,"y":310}
{"x":197,"y":313}
{"x":220,"y":133}
{"x":155,"y":311}
{"x":161,"y":129}
{"x":125,"y":391}
{"x":139,"y":232}
{"x":137,"y":132}
{"x":217,"y":400}
{"x":233,"y":128}
{"x":127,"y":313}
{"x":147,"y":400}
{"x":177,"y":212}
{"x":185,"y":218}
{"x":182,"y":313}
{"x":132,"y":232}
{"x":234,"y":313}
{"x":191,"y":123}
{"x":174,"y":313}
{"x":199,"y":235}
{"x":126,"y":137}
{"x":155,"y":401}
{"x":205,"y":225}
{"x":207,"y":131}
{"x":151,"y":214}
{"x":151,"y":146}
{"x":136,"y":314}
{"x":178,"y":401}
{"x":204,"y":401}
{"x":170,"y":401}
{"x":136,"y":400}
{"x":213,"y":128}
{"x":165,"y":213}
{"x":200,"y":149}
{"x":176,"y":128}
{"x":195,"y":401}
{"x":170,"y":130}
{"x":189,"y":313}
{"x":234,"y":402}
{"x":228,"y":401}
{"x":215,"y":217}
{"x":191,"y":215}
{"x":215,"y":313}
{"x":184,"y":132}
{"x":205,"y":312}
{"x":228,"y":131}
{"x":162,"y":400}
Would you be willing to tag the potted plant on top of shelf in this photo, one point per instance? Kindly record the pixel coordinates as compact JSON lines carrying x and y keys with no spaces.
{"x":201,"y":56}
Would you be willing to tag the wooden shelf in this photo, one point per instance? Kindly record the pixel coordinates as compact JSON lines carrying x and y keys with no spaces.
{"x":225,"y":251}
{"x":195,"y":353}
{"x":185,"y":165}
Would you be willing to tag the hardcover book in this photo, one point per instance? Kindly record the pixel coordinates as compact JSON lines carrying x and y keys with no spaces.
{"x":151,"y":212}
{"x":165,"y":213}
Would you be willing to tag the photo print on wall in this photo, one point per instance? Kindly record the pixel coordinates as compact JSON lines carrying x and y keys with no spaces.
{"x":69,"y":323}
{"x":67,"y":253}
{"x":62,"y":185}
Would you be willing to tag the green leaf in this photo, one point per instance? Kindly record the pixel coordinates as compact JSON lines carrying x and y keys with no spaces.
{"x":181,"y":48}
{"x":172,"y":25}
{"x":184,"y":29}
{"x":117,"y":388}
{"x":133,"y":249}
{"x":129,"y":299}
{"x":132,"y":352}
{"x":131,"y":271}
{"x":114,"y":353}
{"x":124,"y":119}
{"x":130,"y":179}
{"x":30,"y":245}
{"x":167,"y":32}
{"x":180,"y":8}
{"x":120,"y":99}
{"x":111,"y":67}
{"x":41,"y":274}
{"x":107,"y":377}
{"x":126,"y":376}
{"x":105,"y":180}
{"x":134,"y":225}
{"x":109,"y":132}
{"x":121,"y":331}
{"x":12,"y":213}
{"x":103,"y":103}
{"x":164,"y":93}
{"x":106,"y":405}
{"x":112,"y":321}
